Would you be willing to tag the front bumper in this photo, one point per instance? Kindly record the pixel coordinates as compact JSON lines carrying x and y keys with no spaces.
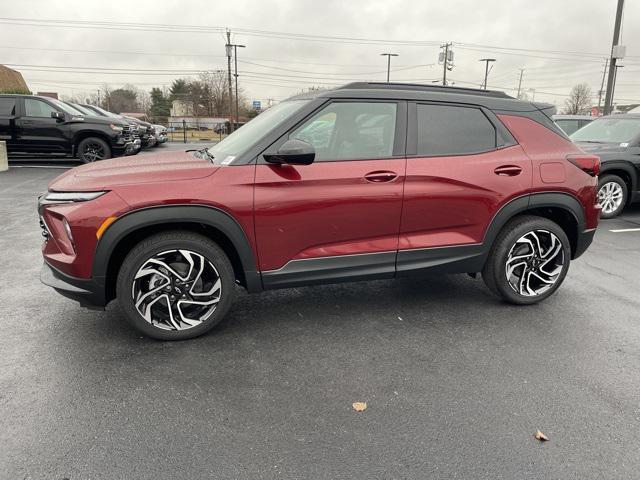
{"x":88,"y":293}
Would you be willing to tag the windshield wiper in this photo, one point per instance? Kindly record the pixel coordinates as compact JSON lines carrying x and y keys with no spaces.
{"x":202,"y":153}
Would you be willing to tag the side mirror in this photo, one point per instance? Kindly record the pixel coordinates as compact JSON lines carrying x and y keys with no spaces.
{"x":293,"y":152}
{"x":59,"y":116}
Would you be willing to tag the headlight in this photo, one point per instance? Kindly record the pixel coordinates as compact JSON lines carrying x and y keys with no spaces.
{"x":68,"y":197}
{"x":116,"y":128}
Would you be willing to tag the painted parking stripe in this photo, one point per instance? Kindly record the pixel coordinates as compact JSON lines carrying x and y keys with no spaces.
{"x":622,"y":230}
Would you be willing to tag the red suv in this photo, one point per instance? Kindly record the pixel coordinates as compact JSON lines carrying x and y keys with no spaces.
{"x":367,"y":181}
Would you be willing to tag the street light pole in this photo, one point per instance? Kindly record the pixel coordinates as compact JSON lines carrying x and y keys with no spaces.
{"x":486,"y":69}
{"x":388,"y":55}
{"x":228,"y":52}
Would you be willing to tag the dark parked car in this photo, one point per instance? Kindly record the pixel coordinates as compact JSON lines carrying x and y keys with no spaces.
{"x":407,"y":180}
{"x":130,"y":129}
{"x":572,"y":123}
{"x":144,"y":129}
{"x":40,"y":125}
{"x":616,"y":140}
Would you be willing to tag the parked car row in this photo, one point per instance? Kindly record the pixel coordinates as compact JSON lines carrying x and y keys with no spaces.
{"x":34,"y":125}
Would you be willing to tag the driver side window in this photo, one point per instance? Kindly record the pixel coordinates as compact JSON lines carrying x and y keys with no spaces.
{"x":37,"y":108}
{"x":350,"y":131}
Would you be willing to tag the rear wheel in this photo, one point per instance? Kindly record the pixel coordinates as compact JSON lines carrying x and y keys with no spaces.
{"x":612,"y":195}
{"x":529,"y":260}
{"x":92,"y":149}
{"x":175,"y":285}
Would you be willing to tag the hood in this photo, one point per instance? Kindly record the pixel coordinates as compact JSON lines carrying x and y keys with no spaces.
{"x":149,"y":168}
{"x":90,"y":119}
{"x":601,"y":148}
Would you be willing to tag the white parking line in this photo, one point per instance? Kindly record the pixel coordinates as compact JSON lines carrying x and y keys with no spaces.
{"x":622,"y":230}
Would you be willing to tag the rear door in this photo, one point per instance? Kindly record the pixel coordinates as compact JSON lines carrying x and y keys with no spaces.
{"x":7,"y":120}
{"x":37,"y":131}
{"x":462,"y":166}
{"x":339,"y":217}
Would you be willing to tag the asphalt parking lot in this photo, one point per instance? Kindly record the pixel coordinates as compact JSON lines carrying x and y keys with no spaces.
{"x":456,"y":382}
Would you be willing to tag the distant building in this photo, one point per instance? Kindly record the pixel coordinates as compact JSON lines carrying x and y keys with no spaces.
{"x":49,"y":94}
{"x":11,"y":80}
{"x":181,"y":108}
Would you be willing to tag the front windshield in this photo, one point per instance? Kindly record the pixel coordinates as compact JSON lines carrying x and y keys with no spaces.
{"x":65,"y":107}
{"x":609,"y":130}
{"x":105,"y":113}
{"x":84,"y":111}
{"x":242,"y":139}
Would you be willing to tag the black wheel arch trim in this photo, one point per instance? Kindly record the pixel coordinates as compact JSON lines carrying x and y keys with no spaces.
{"x":562,"y":200}
{"x":200,"y":214}
{"x":609,"y":166}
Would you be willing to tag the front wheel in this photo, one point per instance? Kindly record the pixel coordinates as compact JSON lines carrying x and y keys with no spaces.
{"x":612,"y":195}
{"x":92,"y":149}
{"x":175,"y":285}
{"x":528,"y":261}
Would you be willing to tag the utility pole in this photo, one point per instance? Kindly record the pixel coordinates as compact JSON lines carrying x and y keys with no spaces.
{"x":615,"y":78}
{"x":446,"y":58}
{"x":99,"y":102}
{"x":486,"y":69}
{"x":520,"y":83}
{"x":604,"y":74}
{"x":614,"y":56}
{"x":388,"y":55}
{"x":228,"y":51}
{"x":235,"y":59}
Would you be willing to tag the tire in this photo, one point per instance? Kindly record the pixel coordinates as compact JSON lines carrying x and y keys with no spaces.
{"x":546,"y":261}
{"x":92,"y":149}
{"x":612,"y":195}
{"x":198,"y":274}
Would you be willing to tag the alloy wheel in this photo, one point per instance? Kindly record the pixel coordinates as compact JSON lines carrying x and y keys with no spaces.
{"x":534,"y":263}
{"x":176,"y":290}
{"x":610,"y":197}
{"x":93,"y":151}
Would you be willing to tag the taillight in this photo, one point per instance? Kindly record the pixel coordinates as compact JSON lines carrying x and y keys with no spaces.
{"x":587,"y":163}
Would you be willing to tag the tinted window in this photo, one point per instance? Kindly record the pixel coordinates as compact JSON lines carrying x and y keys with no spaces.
{"x":37,"y":108}
{"x":351,"y":130}
{"x":449,"y":130}
{"x":568,"y":126}
{"x":7,"y":106}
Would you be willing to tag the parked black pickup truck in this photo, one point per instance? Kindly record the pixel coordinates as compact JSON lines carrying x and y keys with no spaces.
{"x":145,"y":129}
{"x":41,"y":125}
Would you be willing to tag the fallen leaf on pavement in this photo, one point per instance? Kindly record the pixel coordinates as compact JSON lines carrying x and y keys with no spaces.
{"x":541,"y":436}
{"x":360,"y":406}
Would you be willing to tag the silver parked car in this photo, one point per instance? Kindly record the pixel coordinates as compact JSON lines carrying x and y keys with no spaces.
{"x":572,"y":123}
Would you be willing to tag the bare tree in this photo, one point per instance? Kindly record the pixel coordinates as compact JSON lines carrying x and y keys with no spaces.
{"x":579,"y":101}
{"x":217,"y":88}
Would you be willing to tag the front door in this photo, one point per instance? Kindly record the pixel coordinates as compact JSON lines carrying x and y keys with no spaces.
{"x":37,"y":131}
{"x":339,"y":217}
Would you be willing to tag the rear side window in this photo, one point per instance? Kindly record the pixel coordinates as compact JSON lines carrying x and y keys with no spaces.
{"x":450,"y":130}
{"x":37,"y":108}
{"x":7,"y":106}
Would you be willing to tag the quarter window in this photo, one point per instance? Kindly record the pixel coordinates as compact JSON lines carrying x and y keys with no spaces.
{"x":351,"y":130}
{"x":37,"y":108}
{"x":450,"y":130}
{"x":7,"y":106}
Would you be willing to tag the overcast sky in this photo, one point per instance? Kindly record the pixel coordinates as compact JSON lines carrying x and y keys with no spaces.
{"x":558,"y":43}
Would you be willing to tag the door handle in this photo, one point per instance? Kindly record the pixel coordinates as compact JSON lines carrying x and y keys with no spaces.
{"x":508,"y":170}
{"x":380,"y":176}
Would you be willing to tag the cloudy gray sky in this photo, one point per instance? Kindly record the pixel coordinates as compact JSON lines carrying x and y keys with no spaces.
{"x":294,"y":44}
